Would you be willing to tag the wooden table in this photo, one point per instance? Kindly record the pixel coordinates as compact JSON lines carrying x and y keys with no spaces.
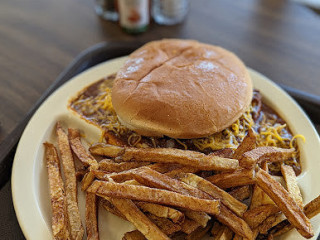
{"x":39,"y":38}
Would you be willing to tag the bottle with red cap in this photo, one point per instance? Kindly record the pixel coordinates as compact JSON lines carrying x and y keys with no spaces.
{"x":134,"y":15}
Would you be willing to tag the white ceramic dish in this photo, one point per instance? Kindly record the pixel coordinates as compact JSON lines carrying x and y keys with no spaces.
{"x":29,"y":175}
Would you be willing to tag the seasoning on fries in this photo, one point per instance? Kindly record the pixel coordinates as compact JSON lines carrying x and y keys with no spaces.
{"x":285,"y":203}
{"x":58,"y":199}
{"x":76,"y":228}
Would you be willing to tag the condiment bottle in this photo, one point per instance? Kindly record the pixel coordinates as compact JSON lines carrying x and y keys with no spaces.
{"x":134,"y":15}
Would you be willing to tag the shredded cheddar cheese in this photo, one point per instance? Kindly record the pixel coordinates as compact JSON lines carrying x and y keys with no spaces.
{"x":294,"y":138}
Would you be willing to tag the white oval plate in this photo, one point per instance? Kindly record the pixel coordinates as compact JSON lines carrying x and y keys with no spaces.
{"x":29,"y":174}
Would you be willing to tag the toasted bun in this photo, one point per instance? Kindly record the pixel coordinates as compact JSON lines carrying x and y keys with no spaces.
{"x":181,"y":89}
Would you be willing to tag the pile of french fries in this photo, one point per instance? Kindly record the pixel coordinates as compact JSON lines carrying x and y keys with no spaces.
{"x":170,"y":193}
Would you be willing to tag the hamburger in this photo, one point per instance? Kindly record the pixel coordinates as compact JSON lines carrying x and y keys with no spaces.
{"x":181,"y":89}
{"x":182,"y":94}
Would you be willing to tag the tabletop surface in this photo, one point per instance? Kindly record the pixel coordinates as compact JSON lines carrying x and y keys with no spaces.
{"x":39,"y":38}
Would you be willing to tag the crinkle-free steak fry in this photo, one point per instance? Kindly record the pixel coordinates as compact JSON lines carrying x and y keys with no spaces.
{"x":167,"y":155}
{"x":236,"y":206}
{"x":162,"y":211}
{"x":311,"y":209}
{"x":146,"y":194}
{"x":235,"y":223}
{"x":111,"y":166}
{"x":81,"y":152}
{"x":248,"y":143}
{"x":92,"y":216}
{"x":76,"y":228}
{"x":292,"y":185}
{"x":241,"y":193}
{"x":285,"y":203}
{"x":104,"y":149}
{"x":256,"y":216}
{"x":138,"y":219}
{"x":152,"y":178}
{"x":234,"y":179}
{"x":133,"y":235}
{"x":271,"y":154}
{"x":58,"y":200}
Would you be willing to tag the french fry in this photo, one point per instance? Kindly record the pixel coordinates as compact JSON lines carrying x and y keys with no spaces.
{"x":158,"y":210}
{"x":259,"y":197}
{"x":76,"y":228}
{"x":92,"y":217}
{"x":237,"y":237}
{"x":133,"y":235}
{"x":200,"y":217}
{"x":285,"y":203}
{"x":182,"y":169}
{"x":224,"y":234}
{"x":112,"y":139}
{"x":165,"y":167}
{"x":216,"y":228}
{"x":138,"y":219}
{"x":183,"y":157}
{"x":87,"y":180}
{"x":256,"y":216}
{"x":234,"y":179}
{"x":255,"y":233}
{"x":151,"y":178}
{"x":164,"y":224}
{"x":111,"y":166}
{"x":236,"y":224}
{"x":271,"y":154}
{"x":107,"y":205}
{"x":292,"y":184}
{"x":118,"y":177}
{"x":161,"y":211}
{"x":265,"y":166}
{"x":167,"y":155}
{"x":195,"y":181}
{"x":80,"y":174}
{"x":247,"y":144}
{"x":179,"y":236}
{"x":189,"y":225}
{"x":104,"y":149}
{"x":270,"y":237}
{"x":146,"y":194}
{"x":311,"y":209}
{"x":241,"y":193}
{"x":270,"y":222}
{"x":83,"y":155}
{"x":199,"y":233}
{"x":225,"y":152}
{"x":225,"y":216}
{"x":58,"y":200}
